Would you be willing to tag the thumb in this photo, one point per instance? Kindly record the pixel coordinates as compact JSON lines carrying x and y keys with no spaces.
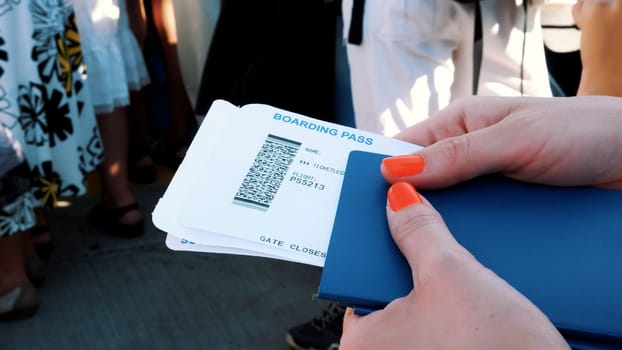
{"x":416,"y":227}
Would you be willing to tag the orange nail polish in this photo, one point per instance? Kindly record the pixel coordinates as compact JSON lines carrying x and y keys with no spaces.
{"x":411,"y":164}
{"x":402,"y":194}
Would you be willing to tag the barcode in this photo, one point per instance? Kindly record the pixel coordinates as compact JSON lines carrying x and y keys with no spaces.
{"x":265,"y":176}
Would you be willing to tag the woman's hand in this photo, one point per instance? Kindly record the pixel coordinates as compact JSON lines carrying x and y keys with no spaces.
{"x":562,"y":142}
{"x":456,"y":302}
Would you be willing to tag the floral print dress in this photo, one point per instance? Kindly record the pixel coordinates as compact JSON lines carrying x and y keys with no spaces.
{"x":44,"y":102}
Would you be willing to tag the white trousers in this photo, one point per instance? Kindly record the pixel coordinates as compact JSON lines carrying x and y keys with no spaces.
{"x":417,"y":56}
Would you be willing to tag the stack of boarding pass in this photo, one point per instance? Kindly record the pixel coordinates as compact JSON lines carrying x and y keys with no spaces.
{"x":262,"y":181}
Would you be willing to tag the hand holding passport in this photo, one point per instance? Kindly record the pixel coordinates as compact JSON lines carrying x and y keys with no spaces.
{"x":453,"y":291}
{"x":535,"y":237}
{"x":561,"y":247}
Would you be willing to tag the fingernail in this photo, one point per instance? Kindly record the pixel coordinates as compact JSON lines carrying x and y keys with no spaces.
{"x":411,"y":164}
{"x":402,"y":194}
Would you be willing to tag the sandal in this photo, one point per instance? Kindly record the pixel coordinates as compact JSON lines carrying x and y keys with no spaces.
{"x":169,"y":153}
{"x":19,"y":303}
{"x":109,"y":219}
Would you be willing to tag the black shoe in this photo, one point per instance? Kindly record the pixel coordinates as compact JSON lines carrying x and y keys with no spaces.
{"x":169,"y":153}
{"x":108,"y":219}
{"x":143,"y":174}
{"x":19,"y":303}
{"x":321,"y":333}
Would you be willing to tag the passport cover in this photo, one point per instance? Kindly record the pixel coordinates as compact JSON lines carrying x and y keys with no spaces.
{"x":560,"y":247}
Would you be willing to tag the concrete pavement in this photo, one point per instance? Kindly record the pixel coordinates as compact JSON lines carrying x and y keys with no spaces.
{"x":104,"y":292}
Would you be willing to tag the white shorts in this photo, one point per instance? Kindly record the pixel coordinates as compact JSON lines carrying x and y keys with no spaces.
{"x":416,"y":56}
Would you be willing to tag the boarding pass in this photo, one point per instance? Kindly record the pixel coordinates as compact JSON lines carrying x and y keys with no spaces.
{"x":262,"y":181}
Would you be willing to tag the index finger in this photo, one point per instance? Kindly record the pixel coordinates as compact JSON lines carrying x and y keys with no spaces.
{"x":461,"y":117}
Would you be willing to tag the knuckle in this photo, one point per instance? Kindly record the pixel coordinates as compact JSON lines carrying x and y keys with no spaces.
{"x":448,"y":261}
{"x":410,"y":225}
{"x":445,"y":260}
{"x":457,"y":148}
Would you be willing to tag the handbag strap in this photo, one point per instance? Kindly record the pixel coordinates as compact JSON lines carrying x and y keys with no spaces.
{"x":478,"y":46}
{"x":355,"y":33}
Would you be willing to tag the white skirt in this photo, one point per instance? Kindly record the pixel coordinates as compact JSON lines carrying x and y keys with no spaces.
{"x":114,"y":61}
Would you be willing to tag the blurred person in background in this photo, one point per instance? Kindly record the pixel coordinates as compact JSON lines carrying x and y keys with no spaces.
{"x":45,"y":108}
{"x":600,"y":22}
{"x":409,"y":59}
{"x":171,"y":148}
{"x":20,"y":267}
{"x":115,"y":66}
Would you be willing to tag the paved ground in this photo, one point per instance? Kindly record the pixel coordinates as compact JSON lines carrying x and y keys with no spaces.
{"x":110,"y":293}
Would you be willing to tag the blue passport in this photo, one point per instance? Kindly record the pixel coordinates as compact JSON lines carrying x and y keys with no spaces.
{"x":561,"y":247}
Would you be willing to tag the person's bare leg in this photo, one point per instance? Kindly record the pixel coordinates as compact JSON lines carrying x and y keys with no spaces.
{"x":12,"y":269}
{"x":138,"y":121}
{"x":18,"y":298}
{"x":43,"y":237}
{"x":116,"y":191}
{"x":180,"y":110}
{"x":138,"y":127}
{"x":138,"y":20}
